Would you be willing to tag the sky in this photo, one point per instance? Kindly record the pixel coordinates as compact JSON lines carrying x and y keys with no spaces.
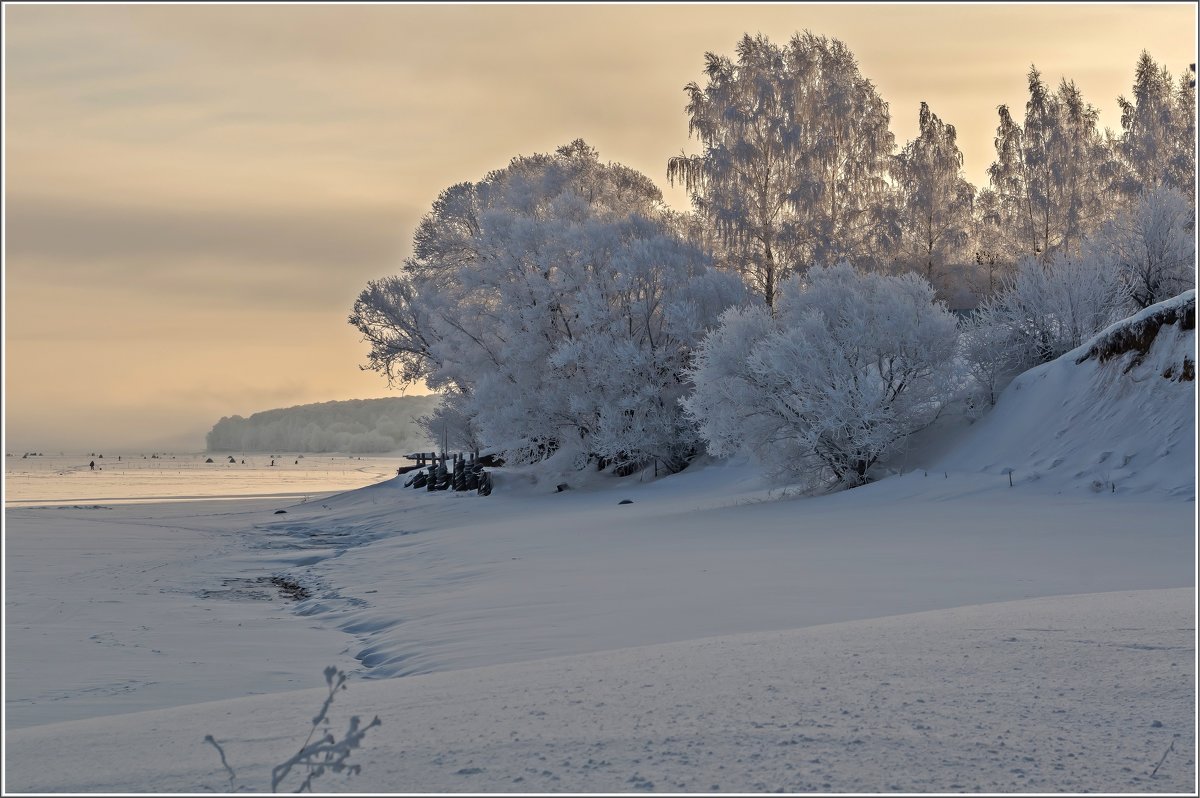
{"x":194,"y":195}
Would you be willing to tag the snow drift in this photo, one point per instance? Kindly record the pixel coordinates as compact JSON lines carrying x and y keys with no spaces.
{"x":1114,"y":415}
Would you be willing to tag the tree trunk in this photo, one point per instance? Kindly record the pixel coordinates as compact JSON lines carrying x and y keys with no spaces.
{"x":769,"y":277}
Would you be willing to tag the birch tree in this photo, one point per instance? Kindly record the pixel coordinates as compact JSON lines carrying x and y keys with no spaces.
{"x":795,"y":146}
{"x":1158,"y":123}
{"x":1048,"y":173}
{"x":935,"y":200}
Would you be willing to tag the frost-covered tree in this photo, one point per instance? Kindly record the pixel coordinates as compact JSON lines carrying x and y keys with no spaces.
{"x":1151,"y":246}
{"x":992,"y":256}
{"x":1183,"y":162}
{"x":1050,"y":174}
{"x":1055,"y":307}
{"x":935,"y":200}
{"x":1044,"y":310}
{"x":990,"y":350}
{"x":795,"y":149}
{"x":556,"y":306}
{"x":1084,"y":166}
{"x":397,"y":325}
{"x":1157,"y":145}
{"x":850,"y":363}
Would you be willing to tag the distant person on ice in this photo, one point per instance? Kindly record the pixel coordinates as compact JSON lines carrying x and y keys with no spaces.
{"x":92,"y":465}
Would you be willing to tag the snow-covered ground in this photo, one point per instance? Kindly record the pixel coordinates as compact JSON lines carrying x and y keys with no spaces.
{"x":935,"y":631}
{"x":168,"y":603}
{"x":113,"y":569}
{"x":1080,"y":693}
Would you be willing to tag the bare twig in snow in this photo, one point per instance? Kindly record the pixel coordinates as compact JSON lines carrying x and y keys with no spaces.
{"x":1170,"y":748}
{"x":208,"y":738}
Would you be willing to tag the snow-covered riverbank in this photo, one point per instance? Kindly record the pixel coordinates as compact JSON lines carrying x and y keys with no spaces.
{"x":1015,"y":613}
{"x":131,"y":607}
{"x":673,"y":687}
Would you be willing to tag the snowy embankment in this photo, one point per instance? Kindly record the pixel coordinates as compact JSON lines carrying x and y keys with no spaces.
{"x":1080,"y":693}
{"x":671,"y":601}
{"x":1115,"y":415}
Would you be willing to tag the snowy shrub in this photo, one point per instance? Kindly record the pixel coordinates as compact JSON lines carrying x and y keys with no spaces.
{"x":556,"y":305}
{"x":1152,"y":246}
{"x":990,"y":354}
{"x":1057,"y":306}
{"x":850,"y":364}
{"x":1041,"y":312}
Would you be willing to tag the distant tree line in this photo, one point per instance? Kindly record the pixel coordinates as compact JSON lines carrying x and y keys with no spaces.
{"x":356,"y":426}
{"x":563,"y":310}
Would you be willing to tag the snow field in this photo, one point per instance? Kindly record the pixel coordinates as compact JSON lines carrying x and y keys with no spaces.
{"x":981,"y":698}
{"x":430,"y":583}
{"x":139,"y":606}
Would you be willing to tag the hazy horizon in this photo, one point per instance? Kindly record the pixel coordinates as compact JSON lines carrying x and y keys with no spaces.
{"x":196,"y":194}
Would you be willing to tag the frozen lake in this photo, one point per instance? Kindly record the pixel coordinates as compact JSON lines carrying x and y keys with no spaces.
{"x":137,"y":477}
{"x":138,"y":585}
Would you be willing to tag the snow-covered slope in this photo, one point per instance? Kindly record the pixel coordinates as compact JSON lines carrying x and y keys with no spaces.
{"x":1116,"y":414}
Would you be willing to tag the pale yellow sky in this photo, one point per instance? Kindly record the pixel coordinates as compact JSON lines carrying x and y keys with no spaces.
{"x":194,"y":195}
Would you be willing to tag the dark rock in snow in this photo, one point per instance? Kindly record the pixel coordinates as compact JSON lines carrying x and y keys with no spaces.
{"x":625,"y":501}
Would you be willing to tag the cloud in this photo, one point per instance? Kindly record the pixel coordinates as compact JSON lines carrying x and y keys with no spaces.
{"x":132,"y":240}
